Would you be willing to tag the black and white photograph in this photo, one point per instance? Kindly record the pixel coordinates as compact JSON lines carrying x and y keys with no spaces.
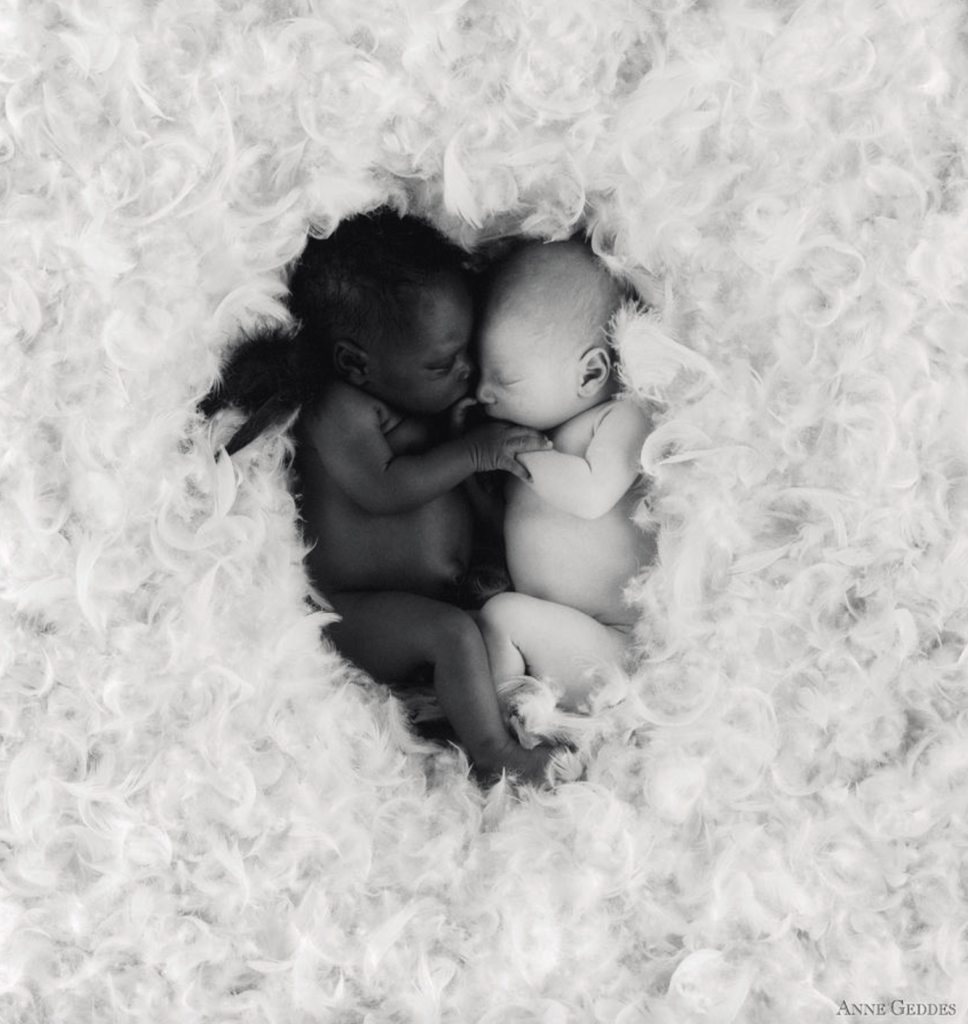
{"x":483,"y":511}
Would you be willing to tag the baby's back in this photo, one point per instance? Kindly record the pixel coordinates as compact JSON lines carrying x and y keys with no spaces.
{"x":560,"y":557}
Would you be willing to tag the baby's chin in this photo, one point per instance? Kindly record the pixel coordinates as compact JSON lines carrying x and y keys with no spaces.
{"x":521,"y":421}
{"x":499,"y":414}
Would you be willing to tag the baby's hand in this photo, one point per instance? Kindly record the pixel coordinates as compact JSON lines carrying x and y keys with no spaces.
{"x":497,"y":445}
{"x":458,"y":415}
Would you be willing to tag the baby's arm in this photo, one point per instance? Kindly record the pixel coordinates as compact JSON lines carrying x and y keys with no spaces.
{"x":347,"y":432}
{"x":588,"y":486}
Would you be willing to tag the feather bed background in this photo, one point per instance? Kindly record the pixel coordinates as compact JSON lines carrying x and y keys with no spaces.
{"x":208,"y":816}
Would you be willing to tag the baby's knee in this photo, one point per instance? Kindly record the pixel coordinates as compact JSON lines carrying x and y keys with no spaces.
{"x":456,"y":632}
{"x":500,"y":613}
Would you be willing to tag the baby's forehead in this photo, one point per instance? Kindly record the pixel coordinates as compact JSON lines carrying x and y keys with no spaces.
{"x":522,"y":338}
{"x":441,"y":305}
{"x":537,"y":330}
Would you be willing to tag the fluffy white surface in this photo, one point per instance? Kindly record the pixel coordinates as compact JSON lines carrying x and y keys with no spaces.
{"x":205,"y":816}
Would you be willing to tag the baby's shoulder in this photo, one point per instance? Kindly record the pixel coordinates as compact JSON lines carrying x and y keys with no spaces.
{"x":629,"y":411}
{"x":342,"y":403}
{"x":621,"y":414}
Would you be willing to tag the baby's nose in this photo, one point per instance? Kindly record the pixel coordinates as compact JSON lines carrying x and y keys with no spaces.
{"x":485,"y":394}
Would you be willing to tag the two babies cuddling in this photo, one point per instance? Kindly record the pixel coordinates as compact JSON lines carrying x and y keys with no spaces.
{"x":385,"y":467}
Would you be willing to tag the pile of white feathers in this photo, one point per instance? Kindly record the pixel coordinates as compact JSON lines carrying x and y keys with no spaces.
{"x":207,"y":816}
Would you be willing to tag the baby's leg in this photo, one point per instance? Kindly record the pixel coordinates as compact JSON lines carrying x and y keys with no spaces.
{"x":392,"y":634}
{"x":525,"y":635}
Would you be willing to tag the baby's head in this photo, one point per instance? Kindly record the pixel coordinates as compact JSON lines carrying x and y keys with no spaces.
{"x":387,"y":299}
{"x":544,"y":350}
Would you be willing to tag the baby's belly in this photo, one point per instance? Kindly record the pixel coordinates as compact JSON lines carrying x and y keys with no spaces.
{"x":583,"y":563}
{"x":424,"y":551}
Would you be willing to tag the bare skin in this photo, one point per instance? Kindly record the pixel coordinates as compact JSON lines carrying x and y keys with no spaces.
{"x":369,"y":533}
{"x":571,"y":544}
{"x":393,"y":634}
{"x":382,"y":499}
{"x":570,"y":558}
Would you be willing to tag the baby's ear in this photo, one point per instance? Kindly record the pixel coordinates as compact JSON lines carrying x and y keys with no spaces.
{"x":596,"y":371}
{"x":350,"y":361}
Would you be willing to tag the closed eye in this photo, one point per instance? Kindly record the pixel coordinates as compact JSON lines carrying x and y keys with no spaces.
{"x":442,"y":368}
{"x":445,"y":364}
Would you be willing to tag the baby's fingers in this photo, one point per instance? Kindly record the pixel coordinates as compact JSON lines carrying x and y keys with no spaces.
{"x":518,"y":469}
{"x":459,"y":411}
{"x":524,"y":439}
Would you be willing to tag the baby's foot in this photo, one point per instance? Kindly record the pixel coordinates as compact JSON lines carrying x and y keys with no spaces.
{"x":527,"y":765}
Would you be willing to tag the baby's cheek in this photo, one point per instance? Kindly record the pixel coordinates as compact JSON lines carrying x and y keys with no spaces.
{"x":461,"y":387}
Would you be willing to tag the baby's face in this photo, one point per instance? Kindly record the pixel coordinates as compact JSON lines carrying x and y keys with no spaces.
{"x":527,"y":379}
{"x":427,"y":369}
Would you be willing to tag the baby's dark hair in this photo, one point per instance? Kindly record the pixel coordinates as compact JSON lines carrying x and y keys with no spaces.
{"x":359,"y":279}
